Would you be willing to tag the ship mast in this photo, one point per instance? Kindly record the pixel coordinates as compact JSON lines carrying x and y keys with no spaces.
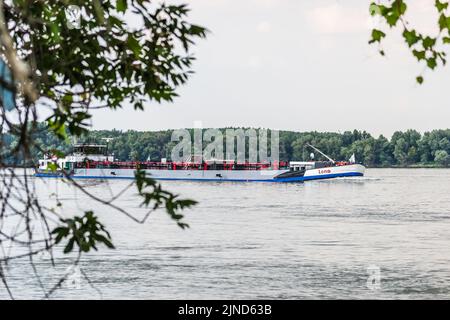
{"x":107,"y":144}
{"x":310,"y":145}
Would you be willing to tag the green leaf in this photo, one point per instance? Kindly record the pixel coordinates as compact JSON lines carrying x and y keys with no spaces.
{"x":99,"y":12}
{"x":420,"y":55}
{"x":121,"y":5}
{"x":392,"y":19}
{"x":103,"y":239}
{"x":444,"y":22}
{"x":85,"y":246}
{"x":67,"y":98}
{"x":55,"y":32}
{"x":392,"y":14}
{"x":69,"y":246}
{"x":375,"y":9}
{"x":399,"y":6}
{"x":410,"y":37}
{"x":84,"y":231}
{"x":441,"y":6}
{"x":377,"y":35}
{"x":197,"y":30}
{"x":134,"y":45}
{"x":428,"y":42}
{"x":419,"y":79}
{"x":431,"y":63}
{"x":52,"y":166}
{"x":60,"y":232}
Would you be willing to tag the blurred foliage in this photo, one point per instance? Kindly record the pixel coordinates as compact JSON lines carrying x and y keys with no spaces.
{"x":134,"y":51}
{"x":104,"y":60}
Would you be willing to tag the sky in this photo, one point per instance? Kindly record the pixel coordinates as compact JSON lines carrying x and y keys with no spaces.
{"x":299,"y":65}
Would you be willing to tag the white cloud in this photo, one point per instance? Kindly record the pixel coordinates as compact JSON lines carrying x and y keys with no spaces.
{"x":254,"y":62}
{"x":423,"y":15}
{"x":275,"y":54}
{"x":336,"y":18}
{"x":267,"y":3}
{"x":264,"y":27}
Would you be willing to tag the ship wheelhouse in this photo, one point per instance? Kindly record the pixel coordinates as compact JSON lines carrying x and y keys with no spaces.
{"x":80,"y":153}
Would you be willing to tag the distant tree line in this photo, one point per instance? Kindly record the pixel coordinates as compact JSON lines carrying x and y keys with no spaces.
{"x":409,"y":148}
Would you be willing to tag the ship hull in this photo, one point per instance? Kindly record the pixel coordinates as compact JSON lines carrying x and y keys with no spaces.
{"x":217,"y":175}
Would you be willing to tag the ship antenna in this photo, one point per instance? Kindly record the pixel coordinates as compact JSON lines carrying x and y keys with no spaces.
{"x":107,"y":143}
{"x":310,"y":145}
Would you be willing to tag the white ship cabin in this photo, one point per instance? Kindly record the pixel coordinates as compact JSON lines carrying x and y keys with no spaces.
{"x":94,"y":152}
{"x":80,"y":153}
{"x":301,"y":165}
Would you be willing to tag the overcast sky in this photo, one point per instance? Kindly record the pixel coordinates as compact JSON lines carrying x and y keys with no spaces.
{"x":299,"y":65}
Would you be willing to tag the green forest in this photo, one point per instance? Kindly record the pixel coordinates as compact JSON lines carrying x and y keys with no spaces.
{"x":404,"y":149}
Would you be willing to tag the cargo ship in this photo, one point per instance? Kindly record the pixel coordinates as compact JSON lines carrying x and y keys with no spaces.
{"x":92,"y":161}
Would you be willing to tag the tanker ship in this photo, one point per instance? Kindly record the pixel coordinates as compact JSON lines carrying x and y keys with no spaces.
{"x":92,"y":161}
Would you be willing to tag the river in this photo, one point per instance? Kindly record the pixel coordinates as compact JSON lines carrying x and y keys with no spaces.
{"x":382,"y":236}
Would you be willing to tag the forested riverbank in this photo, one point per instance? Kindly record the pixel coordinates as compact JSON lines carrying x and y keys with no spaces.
{"x":404,"y":149}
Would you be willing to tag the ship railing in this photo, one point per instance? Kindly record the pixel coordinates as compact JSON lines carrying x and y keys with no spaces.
{"x":179,"y":165}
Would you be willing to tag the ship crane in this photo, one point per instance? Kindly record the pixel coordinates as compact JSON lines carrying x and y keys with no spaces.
{"x":310,"y":145}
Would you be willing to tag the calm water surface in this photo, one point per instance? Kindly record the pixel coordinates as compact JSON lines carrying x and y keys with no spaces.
{"x":260,"y":240}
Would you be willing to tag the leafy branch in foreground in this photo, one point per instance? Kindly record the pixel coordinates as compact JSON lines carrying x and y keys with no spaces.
{"x":426,"y":48}
{"x":156,"y":197}
{"x":85,"y":232}
{"x":66,"y":72}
